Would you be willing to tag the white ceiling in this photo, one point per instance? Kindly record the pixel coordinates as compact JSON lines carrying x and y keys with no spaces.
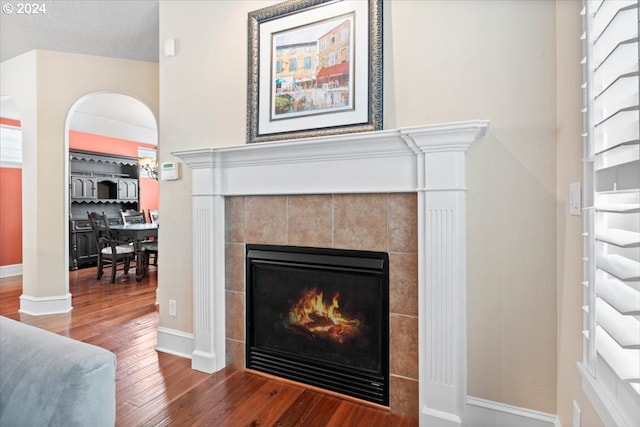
{"x":115,"y":115}
{"x":115,"y":28}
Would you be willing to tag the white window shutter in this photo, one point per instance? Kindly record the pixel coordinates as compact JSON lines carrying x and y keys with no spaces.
{"x":611,"y":93}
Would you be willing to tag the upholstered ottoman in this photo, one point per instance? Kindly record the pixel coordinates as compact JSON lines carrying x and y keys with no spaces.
{"x":51,"y":380}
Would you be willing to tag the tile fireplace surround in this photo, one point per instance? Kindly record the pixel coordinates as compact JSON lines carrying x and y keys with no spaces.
{"x":428,"y":161}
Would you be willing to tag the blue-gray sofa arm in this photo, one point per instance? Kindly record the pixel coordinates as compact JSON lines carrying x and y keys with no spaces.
{"x":51,"y":380}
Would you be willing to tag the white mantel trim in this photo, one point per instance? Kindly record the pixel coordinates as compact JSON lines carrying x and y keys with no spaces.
{"x":429,"y":160}
{"x":368,"y":162}
{"x":431,"y":138}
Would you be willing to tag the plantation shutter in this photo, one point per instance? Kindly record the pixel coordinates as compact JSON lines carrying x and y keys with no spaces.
{"x":612,"y":188}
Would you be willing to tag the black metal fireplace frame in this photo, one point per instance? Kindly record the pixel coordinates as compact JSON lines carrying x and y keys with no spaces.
{"x":365,"y":384}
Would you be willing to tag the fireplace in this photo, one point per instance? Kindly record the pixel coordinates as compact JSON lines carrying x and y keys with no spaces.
{"x":428,"y":160}
{"x":320,"y":316}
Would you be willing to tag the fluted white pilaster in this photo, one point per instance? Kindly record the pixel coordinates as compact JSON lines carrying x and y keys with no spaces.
{"x":208,"y":272}
{"x":440,"y":160}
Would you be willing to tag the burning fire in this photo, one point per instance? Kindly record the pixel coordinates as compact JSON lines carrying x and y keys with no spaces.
{"x":311,"y":316}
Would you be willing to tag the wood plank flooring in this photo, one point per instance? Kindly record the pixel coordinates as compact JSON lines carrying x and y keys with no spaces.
{"x":158,"y":389}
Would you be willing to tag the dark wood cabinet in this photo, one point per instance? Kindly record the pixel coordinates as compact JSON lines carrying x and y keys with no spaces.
{"x":128,"y":189}
{"x":82,"y":244}
{"x":101,"y":183}
{"x":83,"y":188}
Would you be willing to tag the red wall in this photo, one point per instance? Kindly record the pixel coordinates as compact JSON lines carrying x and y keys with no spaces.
{"x":10,"y":216}
{"x":10,"y":210}
{"x":11,"y":188}
{"x":9,"y":122}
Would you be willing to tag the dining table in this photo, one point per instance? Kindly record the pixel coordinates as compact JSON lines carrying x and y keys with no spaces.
{"x":137,"y":234}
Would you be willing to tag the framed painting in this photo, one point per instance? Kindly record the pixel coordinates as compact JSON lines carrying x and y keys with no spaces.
{"x":314,"y":69}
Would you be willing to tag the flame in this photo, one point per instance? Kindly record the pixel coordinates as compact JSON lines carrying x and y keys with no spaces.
{"x":312,"y":317}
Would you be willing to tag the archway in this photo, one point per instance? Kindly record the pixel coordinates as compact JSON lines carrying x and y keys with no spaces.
{"x":10,"y":188}
{"x":111,"y":124}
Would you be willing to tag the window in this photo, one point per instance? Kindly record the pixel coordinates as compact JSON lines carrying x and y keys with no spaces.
{"x":10,"y":146}
{"x":343,"y":55}
{"x":147,"y":152}
{"x":611,"y":362}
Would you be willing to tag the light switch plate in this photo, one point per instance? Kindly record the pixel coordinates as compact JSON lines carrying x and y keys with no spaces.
{"x":169,"y":47}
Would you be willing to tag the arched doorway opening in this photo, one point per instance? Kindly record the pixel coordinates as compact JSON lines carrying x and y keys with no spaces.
{"x":10,"y":188}
{"x":107,"y":124}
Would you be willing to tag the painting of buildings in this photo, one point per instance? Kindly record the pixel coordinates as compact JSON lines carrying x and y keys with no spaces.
{"x":312,"y":69}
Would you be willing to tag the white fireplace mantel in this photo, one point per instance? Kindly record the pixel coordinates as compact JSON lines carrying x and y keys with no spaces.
{"x":429,"y":160}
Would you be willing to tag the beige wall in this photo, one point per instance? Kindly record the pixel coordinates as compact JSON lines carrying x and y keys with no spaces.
{"x":569,"y":101}
{"x":492,"y":60}
{"x":203,"y":98}
{"x":45,"y":85}
{"x":443,"y":61}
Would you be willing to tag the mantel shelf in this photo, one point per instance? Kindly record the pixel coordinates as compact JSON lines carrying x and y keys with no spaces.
{"x":366,"y":162}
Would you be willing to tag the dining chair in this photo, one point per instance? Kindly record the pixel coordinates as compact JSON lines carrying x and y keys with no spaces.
{"x":111,"y":252}
{"x":154,"y":216}
{"x":150,"y":247}
{"x":151,"y":250}
{"x":132,"y":216}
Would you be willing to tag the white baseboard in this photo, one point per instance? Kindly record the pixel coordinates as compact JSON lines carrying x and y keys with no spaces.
{"x":10,"y":270}
{"x":486,"y":413}
{"x":175,"y":342}
{"x":431,"y":417}
{"x":40,"y":306}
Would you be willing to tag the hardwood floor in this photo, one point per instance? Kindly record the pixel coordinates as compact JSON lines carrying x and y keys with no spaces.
{"x":158,"y":389}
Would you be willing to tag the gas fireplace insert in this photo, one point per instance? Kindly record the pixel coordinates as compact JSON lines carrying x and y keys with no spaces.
{"x":320,"y":316}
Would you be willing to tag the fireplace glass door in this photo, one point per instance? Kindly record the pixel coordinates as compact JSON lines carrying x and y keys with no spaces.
{"x":320,"y":317}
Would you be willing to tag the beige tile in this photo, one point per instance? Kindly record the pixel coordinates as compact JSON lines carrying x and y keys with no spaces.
{"x":403,"y":283}
{"x":310,"y":220}
{"x":403,"y":399}
{"x":265,"y":219}
{"x":403,"y":335}
{"x":368,"y":222}
{"x":360,"y":221}
{"x":235,"y":356}
{"x":234,"y":324}
{"x":234,"y":267}
{"x":234,"y":218}
{"x":403,"y":222}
